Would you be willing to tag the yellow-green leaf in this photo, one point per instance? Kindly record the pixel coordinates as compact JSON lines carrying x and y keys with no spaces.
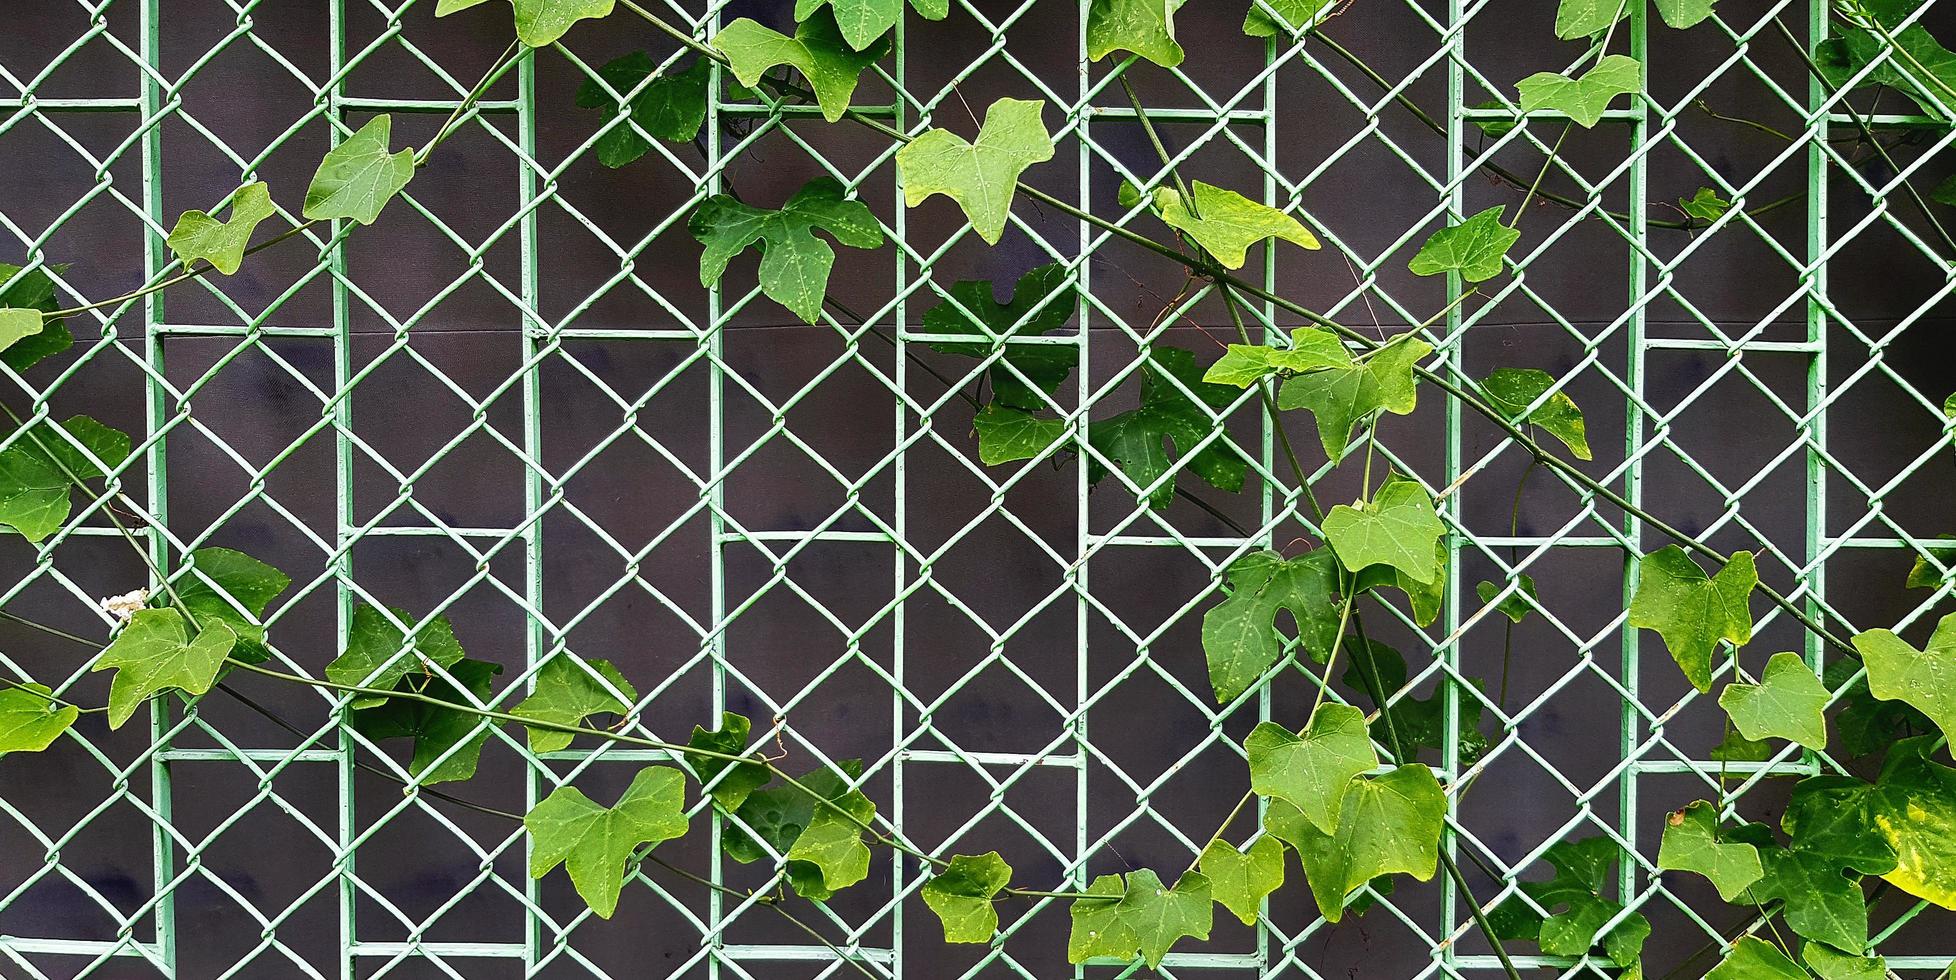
{"x":1513,"y":390}
{"x":359,"y":176}
{"x":1226,"y":223}
{"x":1474,"y":248}
{"x":1693,"y":611}
{"x":1142,"y":915}
{"x":1390,"y":824}
{"x":1755,"y":959}
{"x":817,"y":50}
{"x":594,"y":842}
{"x":962,"y":895}
{"x":31,"y":719}
{"x":17,"y":325}
{"x":1396,"y":528}
{"x":1239,"y":880}
{"x":1313,"y":769}
{"x":980,"y":176}
{"x":1585,"y":99}
{"x":197,"y":235}
{"x":1145,"y":27}
{"x":1789,"y":702}
{"x":567,"y":692}
{"x":1924,"y":679}
{"x":155,"y":653}
{"x":1691,"y":843}
{"x":539,"y":22}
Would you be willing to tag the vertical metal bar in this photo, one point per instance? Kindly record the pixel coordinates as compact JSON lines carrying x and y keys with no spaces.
{"x":156,"y":256}
{"x":344,"y":515}
{"x":1817,"y":386}
{"x":1639,"y":224}
{"x":1456,"y":208}
{"x":1082,"y":528}
{"x":533,"y":490}
{"x":716,"y":459}
{"x":898,"y":877}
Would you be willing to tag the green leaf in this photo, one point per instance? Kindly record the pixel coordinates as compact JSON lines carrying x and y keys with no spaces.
{"x":1914,"y":810}
{"x":1313,"y":769}
{"x":1142,"y":916}
{"x":1578,"y":908}
{"x":1864,"y":725}
{"x":1495,"y":128}
{"x":1145,"y":27}
{"x":567,"y":692}
{"x":378,"y":654}
{"x":1239,"y":634}
{"x":1340,"y":397}
{"x":831,"y":847}
{"x":222,"y":243}
{"x":1425,"y":598}
{"x":1226,"y":223}
{"x":1134,"y":440}
{"x":435,"y":729}
{"x":539,"y":22}
{"x":784,"y":817}
{"x":1007,"y":434}
{"x":1239,"y":880}
{"x":594,"y":843}
{"x":794,"y":263}
{"x":1583,"y":100}
{"x":1294,"y":13}
{"x":1945,"y":193}
{"x":1682,"y":14}
{"x":1819,"y":903}
{"x":1829,"y":817}
{"x":1512,"y":390}
{"x":1738,"y":748}
{"x":30,"y":720}
{"x":962,"y":895}
{"x":731,"y":739}
{"x":817,"y":50}
{"x":1397,"y":528}
{"x":1923,"y":679}
{"x":1705,"y":206}
{"x":359,"y":176}
{"x":982,"y":176}
{"x":1041,"y":303}
{"x":1515,"y":607}
{"x":39,"y":472}
{"x":1693,"y":611}
{"x":1919,"y":67}
{"x":1755,"y":959}
{"x":1419,"y":723}
{"x":1831,"y":964}
{"x":1389,"y":824}
{"x":235,"y":589}
{"x":1474,"y":248}
{"x":1922,"y":574}
{"x":1789,"y":702}
{"x":32,"y":291}
{"x":18,"y":325}
{"x":155,"y":653}
{"x":1691,"y":843}
{"x":863,"y":22}
{"x":1311,"y":349}
{"x":671,"y":107}
{"x":1582,"y":18}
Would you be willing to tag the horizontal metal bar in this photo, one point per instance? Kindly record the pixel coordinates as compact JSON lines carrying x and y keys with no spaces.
{"x":741,"y":951}
{"x":358,"y":104}
{"x":255,"y":755}
{"x":215,"y":330}
{"x":1532,"y":540}
{"x":1900,"y":119}
{"x":1040,"y":340}
{"x":1164,"y":541}
{"x":412,"y":531}
{"x":1948,"y":548}
{"x":755,"y":109}
{"x":478,"y":950}
{"x":78,"y":947}
{"x":1713,"y":768}
{"x":71,"y":105}
{"x":731,"y":537}
{"x":613,"y":754}
{"x":1193,"y":961}
{"x":606,"y":333}
{"x":991,"y":758}
{"x":1748,"y":346}
{"x":1183,"y":115}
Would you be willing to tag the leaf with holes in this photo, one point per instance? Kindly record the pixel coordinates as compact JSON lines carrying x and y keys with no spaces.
{"x":863,"y":22}
{"x":1008,"y":434}
{"x":1693,"y":611}
{"x":670,"y":107}
{"x":569,"y":691}
{"x":1340,"y":397}
{"x":817,"y":50}
{"x":1474,"y":248}
{"x":1512,"y":390}
{"x":1923,"y":679}
{"x":1311,"y":349}
{"x":982,"y":176}
{"x":1147,"y":441}
{"x":1142,"y":915}
{"x":1691,"y":843}
{"x":1226,"y":223}
{"x":1789,"y":702}
{"x":378,"y":654}
{"x":1239,"y":880}
{"x":794,"y":263}
{"x":31,"y":719}
{"x":1024,"y":375}
{"x":1396,"y":528}
{"x":730,"y":739}
{"x":32,"y":291}
{"x":1389,"y":824}
{"x":435,"y":729}
{"x":1145,"y":27}
{"x":1239,"y":634}
{"x":1516,"y":606}
{"x":1577,"y":906}
{"x":197,"y":235}
{"x":155,"y":653}
{"x":1583,"y":100}
{"x":1313,"y":769}
{"x":962,"y":896}
{"x":40,"y":470}
{"x":540,"y":22}
{"x":359,"y":177}
{"x":594,"y":842}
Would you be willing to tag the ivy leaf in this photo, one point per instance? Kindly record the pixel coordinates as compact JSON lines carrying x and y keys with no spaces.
{"x":1691,"y":843}
{"x":1134,"y":440}
{"x":1145,"y":27}
{"x":1311,"y":349}
{"x":1582,"y":874}
{"x":1041,"y":302}
{"x":817,"y":50}
{"x":18,"y":325}
{"x":379,"y":655}
{"x":594,"y":843}
{"x":197,"y":235}
{"x":1914,"y":810}
{"x":1705,"y":205}
{"x":1294,"y":13}
{"x":1313,"y":769}
{"x":1239,"y":880}
{"x":1922,"y":574}
{"x":1474,"y":248}
{"x":436,"y":729}
{"x":1755,"y":959}
{"x":1832,"y":964}
{"x":539,"y":22}
{"x":155,"y":653}
{"x":864,"y":21}
{"x":1425,"y":598}
{"x":1582,"y":18}
{"x":39,"y":471}
{"x":731,"y":739}
{"x":1389,"y":824}
{"x":1738,"y":748}
{"x":30,"y":720}
{"x":359,"y":176}
{"x":1512,"y":390}
{"x":1789,"y":702}
{"x":1419,"y":723}
{"x":1693,"y":611}
{"x":671,"y":107}
{"x":1851,"y":49}
{"x":32,"y":291}
{"x":569,"y":691}
{"x":235,"y":589}
{"x":1682,"y":14}
{"x":787,"y":821}
{"x":982,"y":176}
{"x":1340,"y":397}
{"x":1515,"y":607}
{"x":794,"y":263}
{"x":1226,"y":223}
{"x":830,"y":849}
{"x":1007,"y":434}
{"x":1397,"y":528}
{"x":1583,"y":100}
{"x":1923,"y":679}
{"x":1239,"y":634}
{"x":1829,"y":817}
{"x":1143,"y":915}
{"x":1863,"y":724}
{"x":962,"y":894}
{"x":1819,"y":903}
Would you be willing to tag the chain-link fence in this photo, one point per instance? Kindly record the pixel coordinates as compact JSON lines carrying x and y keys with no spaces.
{"x":511,"y":402}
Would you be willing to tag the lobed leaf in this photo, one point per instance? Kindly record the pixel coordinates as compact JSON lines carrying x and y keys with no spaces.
{"x":1226,"y":223}
{"x":569,"y":690}
{"x":1340,"y":397}
{"x":1585,"y":99}
{"x":540,"y":22}
{"x":31,"y":291}
{"x":980,"y":176}
{"x":1388,"y":824}
{"x":1923,"y":679}
{"x":1145,"y":27}
{"x":1397,"y":528}
{"x":1149,"y":441}
{"x":1313,"y":769}
{"x":235,"y":589}
{"x":43,"y":466}
{"x":1311,"y":349}
{"x":197,"y":235}
{"x":379,"y":654}
{"x":1239,"y":880}
{"x":1474,"y":248}
{"x":794,"y":263}
{"x":1789,"y":702}
{"x":359,"y":177}
{"x":1753,"y":958}
{"x":1516,"y":606}
{"x":1139,"y":916}
{"x":31,"y":719}
{"x":447,"y":740}
{"x":1512,"y":390}
{"x":731,"y":739}
{"x":1691,"y":610}
{"x":1691,"y":843}
{"x":962,"y":896}
{"x":818,"y":51}
{"x":1239,"y":634}
{"x":671,"y":106}
{"x":155,"y":653}
{"x":594,"y":843}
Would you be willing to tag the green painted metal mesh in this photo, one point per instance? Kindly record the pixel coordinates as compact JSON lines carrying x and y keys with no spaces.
{"x":794,"y":524}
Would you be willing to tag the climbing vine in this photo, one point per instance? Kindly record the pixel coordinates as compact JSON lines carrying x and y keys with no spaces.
{"x":1348,"y":794}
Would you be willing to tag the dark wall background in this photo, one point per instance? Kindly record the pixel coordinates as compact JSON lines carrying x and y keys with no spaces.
{"x":251,"y":404}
